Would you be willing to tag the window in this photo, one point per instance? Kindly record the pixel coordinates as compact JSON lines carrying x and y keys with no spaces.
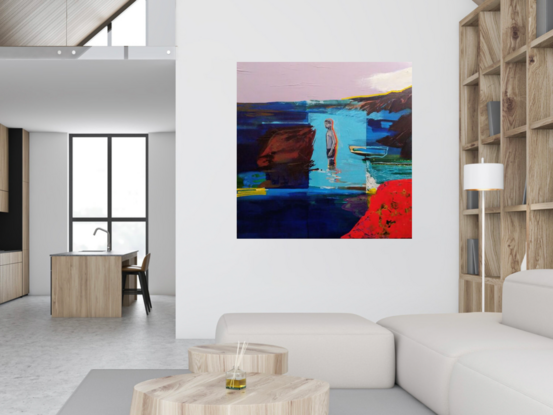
{"x":127,"y":29}
{"x":108,"y":182}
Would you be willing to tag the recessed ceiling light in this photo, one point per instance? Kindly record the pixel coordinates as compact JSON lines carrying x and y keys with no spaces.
{"x":59,"y":52}
{"x":73,"y":52}
{"x":168,"y":52}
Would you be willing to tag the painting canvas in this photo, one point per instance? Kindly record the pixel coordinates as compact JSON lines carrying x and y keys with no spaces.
{"x":324,"y":150}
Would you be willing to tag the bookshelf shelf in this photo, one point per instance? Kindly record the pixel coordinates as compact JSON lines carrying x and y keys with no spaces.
{"x":515,"y":208}
{"x":541,"y":206}
{"x":543,"y":124}
{"x":494,"y":139}
{"x":472,"y":80}
{"x":493,"y":69}
{"x":471,"y":146}
{"x":545,"y":41}
{"x":517,"y":56}
{"x":519,"y":132}
{"x":470,"y":212}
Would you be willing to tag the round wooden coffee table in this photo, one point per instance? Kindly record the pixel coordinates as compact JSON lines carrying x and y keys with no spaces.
{"x":205,"y":394}
{"x":260,"y":358}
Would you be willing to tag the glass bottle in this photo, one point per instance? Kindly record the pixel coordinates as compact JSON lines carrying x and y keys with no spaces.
{"x":236,"y":379}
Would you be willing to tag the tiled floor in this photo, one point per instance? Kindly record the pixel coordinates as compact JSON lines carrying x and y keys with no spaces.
{"x":43,"y":360}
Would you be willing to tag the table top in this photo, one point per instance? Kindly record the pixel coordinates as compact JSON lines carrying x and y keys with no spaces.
{"x":95,"y":253}
{"x":229,"y":349}
{"x":208,"y":389}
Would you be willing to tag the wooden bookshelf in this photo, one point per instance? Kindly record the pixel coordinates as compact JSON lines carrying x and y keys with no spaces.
{"x":502,"y":60}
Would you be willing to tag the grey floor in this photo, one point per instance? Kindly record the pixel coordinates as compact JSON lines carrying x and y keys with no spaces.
{"x":43,"y":360}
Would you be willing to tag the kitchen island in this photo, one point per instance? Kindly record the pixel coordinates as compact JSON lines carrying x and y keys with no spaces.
{"x":88,"y":284}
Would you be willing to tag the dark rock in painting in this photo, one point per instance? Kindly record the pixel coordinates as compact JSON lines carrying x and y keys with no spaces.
{"x":286,"y":156}
{"x":403,"y":137}
{"x":391,"y":102}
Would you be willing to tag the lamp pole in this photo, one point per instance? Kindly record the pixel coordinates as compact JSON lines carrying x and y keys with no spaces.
{"x":483,"y":248}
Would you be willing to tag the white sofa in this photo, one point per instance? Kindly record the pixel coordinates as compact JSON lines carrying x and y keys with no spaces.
{"x":345,"y":350}
{"x":482,"y":363}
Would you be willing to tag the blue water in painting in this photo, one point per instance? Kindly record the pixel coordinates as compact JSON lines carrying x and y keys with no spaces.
{"x":331,"y":201}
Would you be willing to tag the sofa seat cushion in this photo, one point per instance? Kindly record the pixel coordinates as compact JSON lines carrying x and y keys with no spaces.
{"x":346,"y":350}
{"x":503,"y":382}
{"x":427,"y":347}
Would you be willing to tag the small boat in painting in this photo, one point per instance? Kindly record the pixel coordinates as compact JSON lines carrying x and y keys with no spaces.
{"x":371,"y":151}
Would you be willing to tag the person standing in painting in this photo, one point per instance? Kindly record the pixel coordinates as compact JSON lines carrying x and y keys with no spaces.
{"x":331,"y":143}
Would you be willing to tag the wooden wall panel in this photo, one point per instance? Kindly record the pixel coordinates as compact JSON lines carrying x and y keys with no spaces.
{"x":513,"y":242}
{"x":513,"y":96}
{"x":490,"y":39}
{"x":4,"y":201}
{"x":4,"y":159}
{"x":513,"y":25}
{"x":469,"y":39}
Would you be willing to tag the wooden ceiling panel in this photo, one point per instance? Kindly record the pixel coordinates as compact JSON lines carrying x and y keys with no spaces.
{"x":85,"y":18}
{"x":55,"y":22}
{"x":32,"y":23}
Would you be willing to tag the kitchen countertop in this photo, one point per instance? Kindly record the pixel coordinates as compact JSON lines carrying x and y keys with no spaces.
{"x":102,"y":253}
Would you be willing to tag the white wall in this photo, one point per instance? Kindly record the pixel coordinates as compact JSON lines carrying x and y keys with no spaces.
{"x":162,"y":212}
{"x":216,"y":273}
{"x":160,"y":22}
{"x":48,"y":220}
{"x":49,"y":208}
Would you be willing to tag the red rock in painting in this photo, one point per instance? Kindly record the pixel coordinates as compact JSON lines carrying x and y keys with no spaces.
{"x":287,"y":145}
{"x":389,"y":215}
{"x":286,"y":156}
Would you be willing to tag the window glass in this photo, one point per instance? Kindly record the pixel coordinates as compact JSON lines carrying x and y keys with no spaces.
{"x":130,"y":236}
{"x":101,"y":38}
{"x":90,"y":177}
{"x":84,"y":238}
{"x":128,"y":177}
{"x":129,"y":28}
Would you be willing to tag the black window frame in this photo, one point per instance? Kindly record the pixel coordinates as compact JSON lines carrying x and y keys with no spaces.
{"x":109,"y":218}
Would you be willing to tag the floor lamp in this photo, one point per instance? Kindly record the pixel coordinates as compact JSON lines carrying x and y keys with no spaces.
{"x":483,"y":177}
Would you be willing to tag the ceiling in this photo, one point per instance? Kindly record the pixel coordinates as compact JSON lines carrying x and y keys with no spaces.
{"x":55,"y":22}
{"x":85,"y":96}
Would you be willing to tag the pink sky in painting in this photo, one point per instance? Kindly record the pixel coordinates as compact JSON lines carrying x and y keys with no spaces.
{"x":286,"y":81}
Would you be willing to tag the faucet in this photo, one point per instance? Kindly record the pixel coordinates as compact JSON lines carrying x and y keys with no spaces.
{"x":109,"y":237}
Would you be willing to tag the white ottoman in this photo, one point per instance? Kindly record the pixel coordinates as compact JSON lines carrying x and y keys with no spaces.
{"x":345,"y":350}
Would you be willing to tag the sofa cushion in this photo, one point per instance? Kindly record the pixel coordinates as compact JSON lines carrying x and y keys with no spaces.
{"x":427,"y":347}
{"x":528,"y":301}
{"x":503,"y":382}
{"x":346,"y":350}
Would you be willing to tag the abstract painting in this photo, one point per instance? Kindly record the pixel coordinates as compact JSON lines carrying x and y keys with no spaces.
{"x":324,"y":150}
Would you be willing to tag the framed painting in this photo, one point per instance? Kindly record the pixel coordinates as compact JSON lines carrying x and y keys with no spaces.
{"x":324,"y":150}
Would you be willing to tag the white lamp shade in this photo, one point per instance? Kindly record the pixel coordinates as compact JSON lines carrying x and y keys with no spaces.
{"x":483,"y":176}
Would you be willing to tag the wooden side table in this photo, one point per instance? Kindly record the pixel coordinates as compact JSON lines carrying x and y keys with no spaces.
{"x":260,"y":358}
{"x":205,"y":394}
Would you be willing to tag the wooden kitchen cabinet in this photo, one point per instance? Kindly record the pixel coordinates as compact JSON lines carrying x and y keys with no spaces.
{"x":11,"y":281}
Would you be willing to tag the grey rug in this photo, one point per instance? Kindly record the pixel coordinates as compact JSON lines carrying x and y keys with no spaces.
{"x":109,"y":392}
